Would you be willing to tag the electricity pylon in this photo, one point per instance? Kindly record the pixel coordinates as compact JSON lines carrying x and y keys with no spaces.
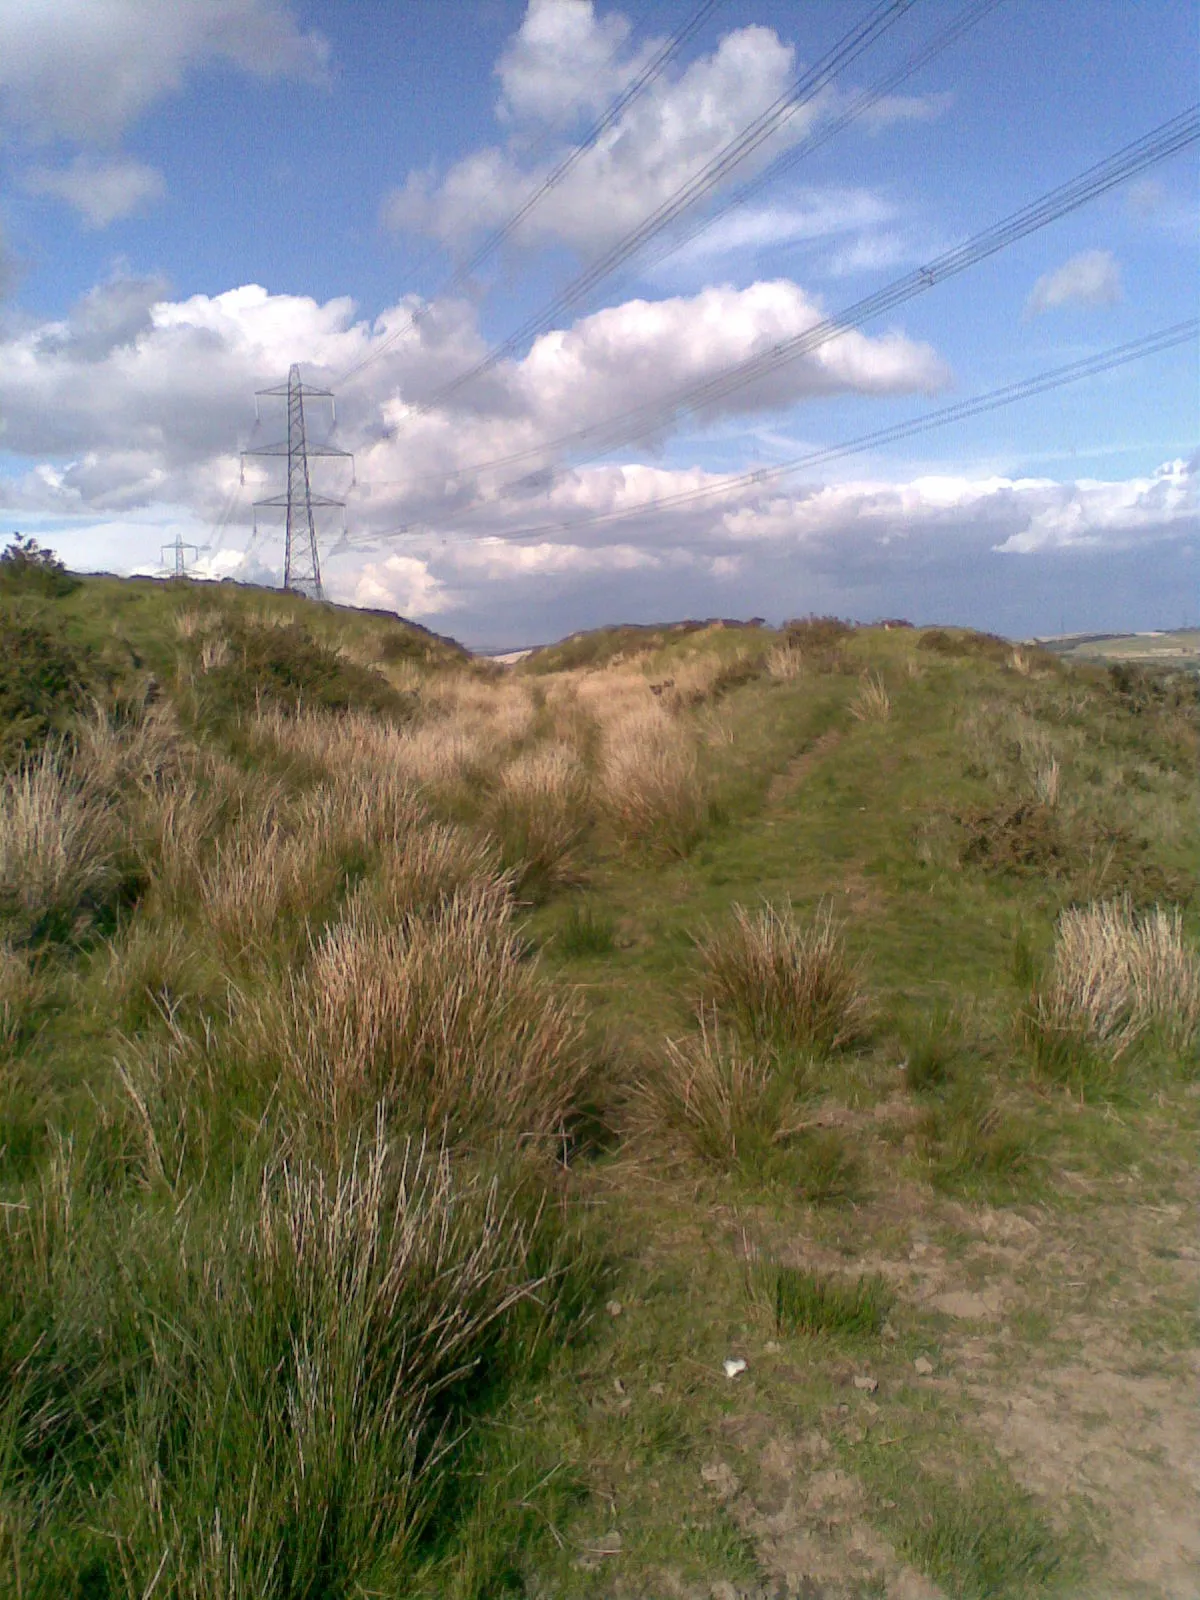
{"x":301,"y":561}
{"x":179,"y":551}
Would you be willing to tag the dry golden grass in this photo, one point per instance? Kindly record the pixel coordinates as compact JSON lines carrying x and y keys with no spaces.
{"x":872,"y":703}
{"x":1116,"y":975}
{"x":783,"y":983}
{"x":442,"y":1019}
{"x":59,"y":841}
{"x":785,"y":663}
{"x":651,"y":784}
{"x":539,"y":813}
{"x":258,"y":872}
{"x":430,"y":865}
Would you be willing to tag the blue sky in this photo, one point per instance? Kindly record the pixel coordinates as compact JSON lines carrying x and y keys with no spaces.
{"x":192,"y":197}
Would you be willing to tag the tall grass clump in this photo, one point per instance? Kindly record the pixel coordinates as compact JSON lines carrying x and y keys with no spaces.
{"x":443,"y":1019}
{"x":431,"y":865}
{"x":652,"y":786}
{"x":872,"y":703}
{"x":729,"y":1106}
{"x":812,"y":1303}
{"x":785,"y":984}
{"x":21,"y":991}
{"x":1116,"y":979}
{"x":59,"y":846}
{"x":539,"y":814}
{"x":262,"y":1394}
{"x":740,"y":1110}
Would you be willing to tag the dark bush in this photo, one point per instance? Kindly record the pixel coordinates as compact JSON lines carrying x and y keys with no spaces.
{"x":288,"y":666}
{"x":25,"y":568}
{"x":44,"y":678}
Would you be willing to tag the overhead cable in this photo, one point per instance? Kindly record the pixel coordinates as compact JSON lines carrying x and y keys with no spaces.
{"x":1178,"y":333}
{"x":765,"y":126}
{"x":653,"y":69}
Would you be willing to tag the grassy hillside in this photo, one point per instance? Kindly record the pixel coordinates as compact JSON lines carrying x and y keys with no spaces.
{"x":710,"y":1111}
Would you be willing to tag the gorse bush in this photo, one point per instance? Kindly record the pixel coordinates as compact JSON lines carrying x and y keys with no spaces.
{"x":785,"y":984}
{"x":45,"y":679}
{"x":287,"y":665}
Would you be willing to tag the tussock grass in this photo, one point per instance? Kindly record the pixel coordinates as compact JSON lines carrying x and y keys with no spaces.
{"x":430,"y":866}
{"x":974,"y":1146}
{"x":802,"y":1301}
{"x":934,"y":1049}
{"x":60,"y":845}
{"x":989,"y":1539}
{"x":730,"y":1106}
{"x":872,"y":703}
{"x":539,"y":814}
{"x":783,"y":983}
{"x":321,"y":1337}
{"x":739,"y":1110}
{"x":442,"y":1019}
{"x":1115,"y":978}
{"x":651,"y":783}
{"x":258,"y":874}
{"x":587,"y":931}
{"x":22,"y":989}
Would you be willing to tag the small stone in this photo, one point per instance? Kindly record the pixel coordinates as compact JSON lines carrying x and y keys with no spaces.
{"x":734,"y":1365}
{"x":614,"y":1308}
{"x":923,"y":1365}
{"x":867,"y":1385}
{"x":618,"y":1386}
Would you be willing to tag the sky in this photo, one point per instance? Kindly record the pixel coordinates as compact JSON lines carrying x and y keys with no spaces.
{"x":196,"y":196}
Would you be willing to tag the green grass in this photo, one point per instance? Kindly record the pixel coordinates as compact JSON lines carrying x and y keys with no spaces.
{"x":586,"y":931}
{"x":175,"y":1338}
{"x":810,"y":1303}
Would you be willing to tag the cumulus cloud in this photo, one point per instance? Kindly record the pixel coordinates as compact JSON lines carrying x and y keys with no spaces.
{"x":101,"y":188}
{"x":565,"y":60}
{"x":131,"y":409}
{"x":1091,"y":278}
{"x":86,"y":69}
{"x":664,"y":136}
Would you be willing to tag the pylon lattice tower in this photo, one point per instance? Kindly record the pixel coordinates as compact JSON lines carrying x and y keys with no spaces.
{"x":302,"y":560}
{"x":179,"y":552}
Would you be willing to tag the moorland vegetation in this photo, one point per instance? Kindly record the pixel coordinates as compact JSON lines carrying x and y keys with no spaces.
{"x":418,"y":1078}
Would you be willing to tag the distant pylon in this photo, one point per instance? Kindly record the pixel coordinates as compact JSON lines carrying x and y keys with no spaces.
{"x":302,"y":560}
{"x":179,"y":554}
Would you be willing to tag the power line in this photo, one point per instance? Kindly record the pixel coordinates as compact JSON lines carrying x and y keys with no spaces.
{"x":653,"y":70}
{"x":769,"y":122}
{"x":933,"y":47}
{"x":1041,"y":383}
{"x":635,"y":422}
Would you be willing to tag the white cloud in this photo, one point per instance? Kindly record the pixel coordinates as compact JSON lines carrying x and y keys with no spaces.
{"x":810,"y":214}
{"x":1091,"y":278}
{"x":87,"y":69}
{"x":126,"y":416}
{"x":665,"y":136}
{"x":101,"y":188}
{"x":564,"y":59}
